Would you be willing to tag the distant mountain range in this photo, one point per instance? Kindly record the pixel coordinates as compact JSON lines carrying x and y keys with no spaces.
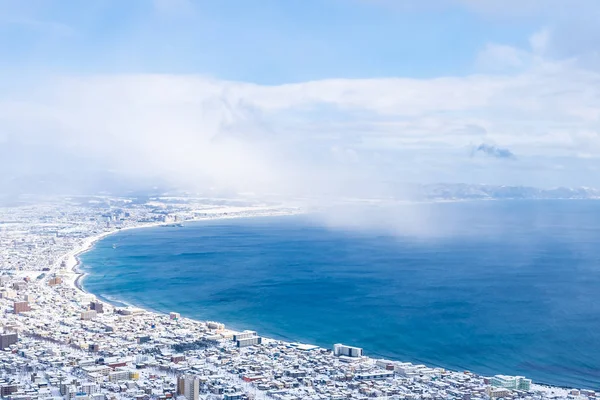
{"x":492,"y":192}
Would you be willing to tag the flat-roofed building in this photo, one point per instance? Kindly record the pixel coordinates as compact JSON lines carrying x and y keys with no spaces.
{"x":244,"y":335}
{"x":511,"y":382}
{"x":21,"y":307}
{"x":8,"y":389}
{"x":55,"y":281}
{"x":7,"y":339}
{"x":189,"y":387}
{"x":97,"y":306}
{"x":250,"y":341}
{"x":88,"y":315}
{"x":348,"y":351}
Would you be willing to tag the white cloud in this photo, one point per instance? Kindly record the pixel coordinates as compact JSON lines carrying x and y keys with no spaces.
{"x":349,"y":136}
{"x":570,"y":27}
{"x":318,"y":137}
{"x":539,"y":42}
{"x":497,"y":57}
{"x":196,"y":131}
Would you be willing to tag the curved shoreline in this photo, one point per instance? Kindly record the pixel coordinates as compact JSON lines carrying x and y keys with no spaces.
{"x":73,"y":262}
{"x":77,"y":282}
{"x":89,"y":244}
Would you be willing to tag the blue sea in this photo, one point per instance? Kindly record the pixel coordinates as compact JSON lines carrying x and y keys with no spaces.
{"x":508,"y":287}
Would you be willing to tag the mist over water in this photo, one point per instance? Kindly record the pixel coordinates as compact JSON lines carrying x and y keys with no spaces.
{"x":493,"y":287}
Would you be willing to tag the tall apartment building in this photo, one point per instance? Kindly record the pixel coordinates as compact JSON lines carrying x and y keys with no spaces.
{"x":55,"y":281}
{"x":244,"y":335}
{"x":21,"y":306}
{"x":6,"y":339}
{"x":89,"y":388}
{"x":8,"y":389}
{"x":88,"y":315}
{"x":511,"y":382}
{"x":348,"y":351}
{"x":97,"y":306}
{"x":215,"y":325}
{"x":247,"y":342}
{"x":189,"y":387}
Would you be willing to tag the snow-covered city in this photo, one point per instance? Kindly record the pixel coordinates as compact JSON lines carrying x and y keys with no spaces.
{"x":59,"y":342}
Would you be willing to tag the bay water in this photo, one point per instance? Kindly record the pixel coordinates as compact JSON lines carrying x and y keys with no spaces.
{"x":509,"y":287}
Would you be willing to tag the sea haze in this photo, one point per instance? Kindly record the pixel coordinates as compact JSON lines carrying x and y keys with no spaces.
{"x":510,"y":287}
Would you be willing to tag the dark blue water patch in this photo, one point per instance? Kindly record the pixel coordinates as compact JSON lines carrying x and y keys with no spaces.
{"x":506,"y":287}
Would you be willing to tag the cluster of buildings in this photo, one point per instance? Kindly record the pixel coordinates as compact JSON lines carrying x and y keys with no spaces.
{"x":58,"y":342}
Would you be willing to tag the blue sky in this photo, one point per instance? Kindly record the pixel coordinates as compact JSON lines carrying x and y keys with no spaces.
{"x":270,"y":42}
{"x":302,"y":96}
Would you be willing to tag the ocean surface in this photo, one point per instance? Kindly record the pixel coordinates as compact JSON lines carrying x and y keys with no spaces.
{"x":508,"y":287}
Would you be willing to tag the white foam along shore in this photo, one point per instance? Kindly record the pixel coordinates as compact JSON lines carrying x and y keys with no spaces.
{"x":72,"y":260}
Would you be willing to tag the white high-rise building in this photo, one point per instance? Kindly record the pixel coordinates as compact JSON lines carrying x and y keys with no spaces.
{"x":348,"y":351}
{"x":511,"y":382}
